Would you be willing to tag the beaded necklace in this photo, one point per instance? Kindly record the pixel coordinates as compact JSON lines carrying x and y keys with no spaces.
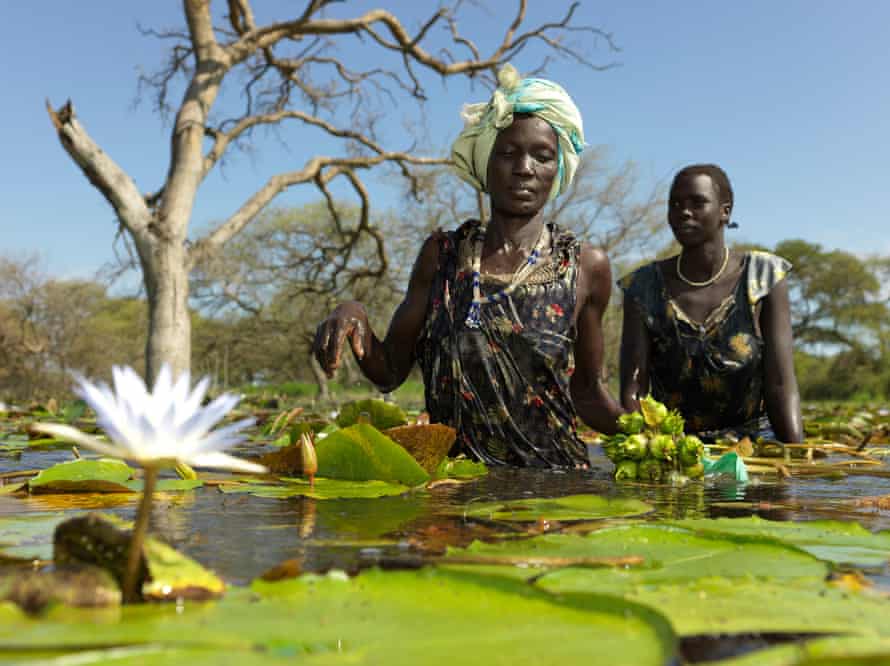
{"x":711,"y":280}
{"x":473,"y":319}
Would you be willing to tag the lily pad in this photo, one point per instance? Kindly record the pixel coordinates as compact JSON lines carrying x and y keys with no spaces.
{"x":99,"y":476}
{"x":165,"y":574}
{"x":363,"y":453}
{"x":832,"y":541}
{"x":394,"y":618}
{"x":670,"y":555}
{"x":723,"y":605}
{"x":322,"y":489}
{"x":428,"y":444}
{"x":570,"y":507}
{"x":381,"y":415}
{"x":103,"y":475}
{"x":460,"y":468}
{"x":172,"y":575}
{"x":830,"y":651}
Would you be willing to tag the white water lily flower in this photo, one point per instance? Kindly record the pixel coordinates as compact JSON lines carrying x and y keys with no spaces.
{"x":159,"y":427}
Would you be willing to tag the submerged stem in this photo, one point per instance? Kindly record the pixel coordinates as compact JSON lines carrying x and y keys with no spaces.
{"x":139,"y":529}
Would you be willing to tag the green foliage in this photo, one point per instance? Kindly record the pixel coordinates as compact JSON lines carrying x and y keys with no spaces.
{"x":103,"y":475}
{"x":380,"y":414}
{"x":321,"y":489}
{"x":408,"y":617}
{"x":569,"y":507}
{"x":460,"y":468}
{"x":363,"y":453}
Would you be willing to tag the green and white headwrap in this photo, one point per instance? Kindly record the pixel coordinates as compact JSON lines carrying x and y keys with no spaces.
{"x":483,"y":121}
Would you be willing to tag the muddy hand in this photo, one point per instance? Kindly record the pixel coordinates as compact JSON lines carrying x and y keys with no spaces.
{"x":332,"y":333}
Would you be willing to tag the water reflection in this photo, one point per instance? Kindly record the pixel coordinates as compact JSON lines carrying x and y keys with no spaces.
{"x":241,"y":536}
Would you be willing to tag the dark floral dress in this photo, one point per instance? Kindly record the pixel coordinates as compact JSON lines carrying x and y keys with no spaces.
{"x":505,"y":385}
{"x":711,"y":371}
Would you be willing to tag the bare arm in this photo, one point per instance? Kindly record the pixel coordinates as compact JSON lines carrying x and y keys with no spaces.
{"x":635,"y":357}
{"x":780,"y":383}
{"x":589,"y":393}
{"x":385,"y":362}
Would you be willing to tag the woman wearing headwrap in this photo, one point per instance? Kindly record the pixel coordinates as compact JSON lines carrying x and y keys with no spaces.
{"x":503,"y":316}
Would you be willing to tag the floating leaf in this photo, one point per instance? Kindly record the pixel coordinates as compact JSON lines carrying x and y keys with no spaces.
{"x":167,"y":485}
{"x":173,"y":576}
{"x":460,"y":468}
{"x":322,"y":489}
{"x":363,"y":453}
{"x":570,"y":507}
{"x":428,"y":444}
{"x":832,"y":541}
{"x":382,"y":414}
{"x":671,"y":555}
{"x":722,"y":605}
{"x":98,"y":476}
{"x":377,"y":618}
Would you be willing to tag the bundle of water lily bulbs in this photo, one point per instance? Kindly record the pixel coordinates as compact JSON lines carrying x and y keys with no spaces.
{"x":652,"y":446}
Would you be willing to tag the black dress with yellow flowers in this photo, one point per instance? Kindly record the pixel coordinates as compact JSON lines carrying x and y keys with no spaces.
{"x":504,"y":385}
{"x":711,"y":371}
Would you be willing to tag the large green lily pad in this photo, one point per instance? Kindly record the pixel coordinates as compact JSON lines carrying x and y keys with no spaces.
{"x":322,"y":489}
{"x":831,"y":651}
{"x":99,"y":476}
{"x":670,"y":555}
{"x":103,"y":475}
{"x":829,"y":540}
{"x":428,"y":617}
{"x":570,"y":507}
{"x":718,"y":605}
{"x":380,"y":414}
{"x":363,"y":453}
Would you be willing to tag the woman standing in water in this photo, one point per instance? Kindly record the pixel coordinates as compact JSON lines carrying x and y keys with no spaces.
{"x":504,"y":316}
{"x":708,"y":331}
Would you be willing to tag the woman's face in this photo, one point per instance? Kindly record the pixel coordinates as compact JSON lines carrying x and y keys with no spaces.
{"x":522,"y":166}
{"x":694,"y":210}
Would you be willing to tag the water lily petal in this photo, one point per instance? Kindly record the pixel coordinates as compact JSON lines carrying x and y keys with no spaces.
{"x":204,"y":419}
{"x":219,"y":460}
{"x":165,"y":424}
{"x":193,"y":403}
{"x":223,"y":438}
{"x":78,"y":437}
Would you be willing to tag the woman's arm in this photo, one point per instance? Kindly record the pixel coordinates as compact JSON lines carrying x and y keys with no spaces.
{"x":385,"y":362}
{"x":634,"y":363}
{"x":589,"y":394}
{"x":780,"y":383}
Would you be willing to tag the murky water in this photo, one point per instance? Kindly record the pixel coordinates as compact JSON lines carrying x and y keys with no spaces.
{"x":241,"y":536}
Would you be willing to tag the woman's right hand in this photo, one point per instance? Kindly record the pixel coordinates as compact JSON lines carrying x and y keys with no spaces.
{"x":347,"y":321}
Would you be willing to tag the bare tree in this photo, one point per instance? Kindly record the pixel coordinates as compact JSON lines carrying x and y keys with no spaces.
{"x":279,"y":279}
{"x":286,"y":70}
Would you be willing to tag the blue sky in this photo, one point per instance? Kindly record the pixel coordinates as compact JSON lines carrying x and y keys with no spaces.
{"x":790,"y":97}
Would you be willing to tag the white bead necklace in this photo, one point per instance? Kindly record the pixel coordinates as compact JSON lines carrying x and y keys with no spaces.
{"x":710,"y":280}
{"x":473,"y":319}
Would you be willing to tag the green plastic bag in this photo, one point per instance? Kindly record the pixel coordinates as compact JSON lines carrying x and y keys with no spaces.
{"x":730,"y":464}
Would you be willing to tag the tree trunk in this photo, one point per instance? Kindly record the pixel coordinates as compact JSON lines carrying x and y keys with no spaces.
{"x":321,"y":379}
{"x":169,"y":324}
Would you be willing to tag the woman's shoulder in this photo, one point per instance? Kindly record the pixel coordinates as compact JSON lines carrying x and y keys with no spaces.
{"x":642,"y":277}
{"x":765,"y":271}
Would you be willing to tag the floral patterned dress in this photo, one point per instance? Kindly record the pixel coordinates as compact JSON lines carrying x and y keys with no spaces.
{"x":504,"y":385}
{"x":711,"y":371}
